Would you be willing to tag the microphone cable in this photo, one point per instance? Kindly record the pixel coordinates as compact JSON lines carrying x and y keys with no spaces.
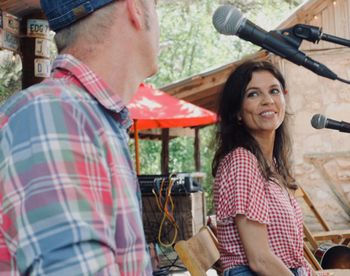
{"x":164,"y":209}
{"x":343,"y":80}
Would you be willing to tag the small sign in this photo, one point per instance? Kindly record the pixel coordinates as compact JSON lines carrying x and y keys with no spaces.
{"x":10,"y":23}
{"x":42,"y":47}
{"x":9,"y":40}
{"x":42,"y":67}
{"x":38,"y":28}
{"x":1,"y":19}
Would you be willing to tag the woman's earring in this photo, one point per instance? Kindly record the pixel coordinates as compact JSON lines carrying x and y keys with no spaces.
{"x":239,"y":118}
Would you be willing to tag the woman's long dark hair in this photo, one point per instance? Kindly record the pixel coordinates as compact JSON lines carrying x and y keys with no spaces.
{"x":232,"y":133}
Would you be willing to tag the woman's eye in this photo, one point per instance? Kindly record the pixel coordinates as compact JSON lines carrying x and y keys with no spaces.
{"x":275,"y":91}
{"x":252,"y":94}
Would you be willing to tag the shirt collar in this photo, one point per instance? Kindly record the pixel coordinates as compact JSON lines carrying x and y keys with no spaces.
{"x":68,"y":66}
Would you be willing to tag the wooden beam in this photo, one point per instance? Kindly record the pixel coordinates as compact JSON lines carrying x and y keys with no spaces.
{"x":207,"y":80}
{"x":19,"y":8}
{"x":165,"y":151}
{"x":197,"y":150}
{"x":318,"y":160}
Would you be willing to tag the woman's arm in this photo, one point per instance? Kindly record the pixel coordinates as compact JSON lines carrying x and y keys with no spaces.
{"x":254,"y":238}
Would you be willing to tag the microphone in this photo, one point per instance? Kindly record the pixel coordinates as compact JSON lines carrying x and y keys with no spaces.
{"x":229,"y":21}
{"x":319,"y":121}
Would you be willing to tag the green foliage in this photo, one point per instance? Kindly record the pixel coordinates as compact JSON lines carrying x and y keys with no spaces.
{"x":149,"y":152}
{"x":181,"y":157}
{"x":207,"y":153}
{"x":189,"y":41}
{"x":190,"y":44}
{"x":10,"y":74}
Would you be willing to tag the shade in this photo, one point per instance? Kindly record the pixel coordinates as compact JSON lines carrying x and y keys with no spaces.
{"x":153,"y":108}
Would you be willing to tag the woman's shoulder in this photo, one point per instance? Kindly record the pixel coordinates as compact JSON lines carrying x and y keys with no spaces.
{"x":240,"y":152}
{"x":240,"y":156}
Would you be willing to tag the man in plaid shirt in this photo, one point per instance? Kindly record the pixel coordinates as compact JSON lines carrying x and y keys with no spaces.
{"x":69,"y":197}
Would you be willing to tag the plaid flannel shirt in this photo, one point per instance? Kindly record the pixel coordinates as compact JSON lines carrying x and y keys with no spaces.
{"x":69,"y":197}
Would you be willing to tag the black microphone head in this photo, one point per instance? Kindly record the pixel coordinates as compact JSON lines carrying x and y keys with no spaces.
{"x":318,"y":121}
{"x":227,"y":20}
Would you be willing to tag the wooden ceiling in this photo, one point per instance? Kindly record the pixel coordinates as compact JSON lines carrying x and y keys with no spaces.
{"x":20,"y":7}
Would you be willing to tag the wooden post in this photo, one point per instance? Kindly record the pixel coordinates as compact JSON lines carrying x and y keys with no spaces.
{"x":35,"y":48}
{"x":165,"y":151}
{"x":197,"y":151}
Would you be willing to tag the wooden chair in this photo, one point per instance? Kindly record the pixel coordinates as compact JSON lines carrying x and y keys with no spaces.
{"x":336,"y":236}
{"x":200,"y":252}
{"x":310,"y":258}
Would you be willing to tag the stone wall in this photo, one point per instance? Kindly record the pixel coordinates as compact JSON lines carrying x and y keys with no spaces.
{"x":321,"y":157}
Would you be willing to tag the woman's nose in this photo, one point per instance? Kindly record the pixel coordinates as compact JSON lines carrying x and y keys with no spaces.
{"x":267,"y":99}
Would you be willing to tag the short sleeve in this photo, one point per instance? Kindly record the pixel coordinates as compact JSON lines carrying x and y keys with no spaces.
{"x":240,"y":188}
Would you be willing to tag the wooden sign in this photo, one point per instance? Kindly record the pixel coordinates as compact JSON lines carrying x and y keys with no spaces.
{"x":42,"y":47}
{"x":9,"y":31}
{"x":42,"y":67}
{"x":37,"y":28}
{"x":8,"y":40}
{"x":10,"y":23}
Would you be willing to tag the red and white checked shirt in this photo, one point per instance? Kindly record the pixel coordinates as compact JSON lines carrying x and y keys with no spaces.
{"x":240,"y":188}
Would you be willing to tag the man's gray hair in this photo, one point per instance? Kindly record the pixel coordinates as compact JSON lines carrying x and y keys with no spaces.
{"x":93,"y":28}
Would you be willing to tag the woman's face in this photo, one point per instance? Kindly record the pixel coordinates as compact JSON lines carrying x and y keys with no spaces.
{"x":263,"y":107}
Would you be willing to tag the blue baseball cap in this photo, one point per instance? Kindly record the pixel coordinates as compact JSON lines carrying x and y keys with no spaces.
{"x":62,"y":13}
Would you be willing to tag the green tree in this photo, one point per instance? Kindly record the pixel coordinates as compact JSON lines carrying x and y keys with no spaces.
{"x":10,"y":74}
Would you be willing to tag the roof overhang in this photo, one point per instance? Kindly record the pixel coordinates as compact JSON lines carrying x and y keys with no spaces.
{"x":203,"y":89}
{"x":20,"y":8}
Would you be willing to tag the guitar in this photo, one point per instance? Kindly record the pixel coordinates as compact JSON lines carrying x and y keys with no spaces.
{"x":332,"y":256}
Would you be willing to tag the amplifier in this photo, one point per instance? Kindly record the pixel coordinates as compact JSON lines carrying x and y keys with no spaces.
{"x":182,"y":183}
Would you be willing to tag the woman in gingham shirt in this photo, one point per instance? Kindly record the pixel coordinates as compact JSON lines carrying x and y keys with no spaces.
{"x":260,"y":227}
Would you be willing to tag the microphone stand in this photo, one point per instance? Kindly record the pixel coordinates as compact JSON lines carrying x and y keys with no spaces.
{"x":315,"y":34}
{"x":295,"y":35}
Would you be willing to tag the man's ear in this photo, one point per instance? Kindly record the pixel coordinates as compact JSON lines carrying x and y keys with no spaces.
{"x":135,"y":13}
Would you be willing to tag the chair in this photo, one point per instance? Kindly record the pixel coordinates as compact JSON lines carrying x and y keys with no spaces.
{"x":313,"y":238}
{"x":336,"y":236}
{"x":200,"y":252}
{"x":310,"y":258}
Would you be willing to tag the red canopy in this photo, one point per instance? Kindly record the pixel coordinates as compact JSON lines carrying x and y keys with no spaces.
{"x":152,"y":108}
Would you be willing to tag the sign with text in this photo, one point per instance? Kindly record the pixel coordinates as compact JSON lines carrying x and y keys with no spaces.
{"x":10,"y":23}
{"x":42,"y":47}
{"x":42,"y":67}
{"x":37,"y":28}
{"x":8,"y":40}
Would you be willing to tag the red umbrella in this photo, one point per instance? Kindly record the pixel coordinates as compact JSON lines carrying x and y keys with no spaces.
{"x":152,"y":108}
